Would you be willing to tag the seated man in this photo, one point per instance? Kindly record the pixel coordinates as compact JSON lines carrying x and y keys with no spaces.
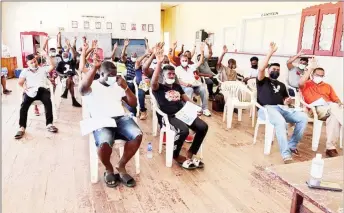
{"x":176,"y":58}
{"x":205,"y":70}
{"x":171,"y":98}
{"x":67,"y":69}
{"x":190,"y":81}
{"x":272,"y":94}
{"x":227,"y":73}
{"x":327,"y":104}
{"x":35,"y":78}
{"x":104,"y":99}
{"x":295,"y":73}
{"x":253,"y":72}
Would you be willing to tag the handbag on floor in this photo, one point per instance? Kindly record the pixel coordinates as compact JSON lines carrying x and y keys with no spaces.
{"x":219,"y":103}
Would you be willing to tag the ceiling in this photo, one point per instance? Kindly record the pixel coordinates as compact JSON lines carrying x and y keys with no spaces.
{"x":166,"y":5}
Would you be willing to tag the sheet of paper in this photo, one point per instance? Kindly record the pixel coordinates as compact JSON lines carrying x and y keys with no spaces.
{"x":91,"y":124}
{"x":319,"y":102}
{"x":188,"y":113}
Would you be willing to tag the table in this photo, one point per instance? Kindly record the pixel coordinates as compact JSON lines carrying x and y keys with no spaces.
{"x":11,"y":64}
{"x":295,"y":175}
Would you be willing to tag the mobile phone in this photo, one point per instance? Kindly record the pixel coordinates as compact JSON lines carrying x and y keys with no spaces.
{"x":325,"y":185}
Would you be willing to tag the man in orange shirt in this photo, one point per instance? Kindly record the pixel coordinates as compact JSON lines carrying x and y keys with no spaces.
{"x":327,"y":104}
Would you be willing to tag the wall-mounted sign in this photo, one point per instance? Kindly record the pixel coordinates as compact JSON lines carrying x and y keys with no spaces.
{"x":108,"y":25}
{"x":74,"y":24}
{"x":86,"y":25}
{"x":98,"y":25}
{"x":93,"y":16}
{"x":269,"y":14}
{"x":61,"y":29}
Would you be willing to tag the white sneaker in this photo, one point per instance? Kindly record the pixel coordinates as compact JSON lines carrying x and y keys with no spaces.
{"x":206,"y":112}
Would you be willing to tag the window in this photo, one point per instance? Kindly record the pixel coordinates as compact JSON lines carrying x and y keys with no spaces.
{"x":281,"y":29}
{"x":321,"y":30}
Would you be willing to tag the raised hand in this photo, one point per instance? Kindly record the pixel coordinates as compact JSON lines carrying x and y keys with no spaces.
{"x":202,"y":46}
{"x":159,"y":54}
{"x":300,"y":53}
{"x":126,"y":42}
{"x":96,"y":60}
{"x":85,"y":47}
{"x":273,"y":47}
{"x":115,"y":46}
{"x":84,"y":39}
{"x":312,"y":64}
{"x":225,"y":49}
{"x":67,"y":42}
{"x":175,"y":45}
{"x":94,"y":44}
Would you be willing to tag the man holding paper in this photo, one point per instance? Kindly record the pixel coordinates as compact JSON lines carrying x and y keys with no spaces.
{"x":171,"y":99}
{"x":103,"y":99}
{"x":328,"y":106}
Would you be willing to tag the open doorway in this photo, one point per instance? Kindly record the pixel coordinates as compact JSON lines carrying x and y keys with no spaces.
{"x":31,"y":43}
{"x":166,"y":41}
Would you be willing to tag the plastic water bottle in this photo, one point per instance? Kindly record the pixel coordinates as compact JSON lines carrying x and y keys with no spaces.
{"x":150,"y":150}
{"x":317,"y":170}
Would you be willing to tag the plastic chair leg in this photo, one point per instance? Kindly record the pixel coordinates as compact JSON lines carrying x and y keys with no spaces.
{"x":317,"y":125}
{"x":93,"y":160}
{"x":269,"y":134}
{"x":170,"y":135}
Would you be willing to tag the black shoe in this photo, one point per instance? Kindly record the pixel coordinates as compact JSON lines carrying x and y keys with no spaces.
{"x":6,"y":91}
{"x":235,"y":110}
{"x":65,"y":94}
{"x":75,"y":103}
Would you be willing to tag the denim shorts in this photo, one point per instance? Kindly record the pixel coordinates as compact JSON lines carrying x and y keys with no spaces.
{"x":126,"y":130}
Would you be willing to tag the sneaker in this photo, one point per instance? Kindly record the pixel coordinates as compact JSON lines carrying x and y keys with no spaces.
{"x":295,"y":152}
{"x":75,"y":103}
{"x":143,"y":115}
{"x":288,"y":160}
{"x":6,"y":91}
{"x":206,"y":112}
{"x":331,"y":153}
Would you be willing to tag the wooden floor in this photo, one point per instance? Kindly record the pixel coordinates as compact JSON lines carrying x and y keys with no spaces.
{"x":45,"y":173}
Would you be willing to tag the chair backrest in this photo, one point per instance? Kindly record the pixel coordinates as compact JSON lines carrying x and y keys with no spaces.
{"x":252,"y":84}
{"x":153,"y":100}
{"x":231,"y":89}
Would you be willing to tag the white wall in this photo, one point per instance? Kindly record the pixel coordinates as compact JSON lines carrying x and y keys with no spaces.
{"x":26,"y":16}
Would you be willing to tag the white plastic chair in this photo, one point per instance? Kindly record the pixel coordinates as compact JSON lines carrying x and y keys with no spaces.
{"x":137,"y":97}
{"x":48,"y":85}
{"x":233,"y":92}
{"x":93,"y":148}
{"x":165,"y":129}
{"x":252,"y":85}
{"x":269,"y":130}
{"x":296,"y":97}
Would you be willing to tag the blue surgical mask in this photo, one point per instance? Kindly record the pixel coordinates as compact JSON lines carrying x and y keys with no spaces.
{"x":111,"y":81}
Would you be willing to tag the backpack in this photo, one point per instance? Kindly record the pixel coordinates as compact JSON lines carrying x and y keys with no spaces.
{"x":219,"y":103}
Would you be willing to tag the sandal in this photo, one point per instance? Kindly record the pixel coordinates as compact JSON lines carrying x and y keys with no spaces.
{"x":19,"y":134}
{"x":52,"y":128}
{"x":111,"y":179}
{"x":127,"y":180}
{"x":198,"y":163}
{"x":6,"y":92}
{"x":188,"y":164}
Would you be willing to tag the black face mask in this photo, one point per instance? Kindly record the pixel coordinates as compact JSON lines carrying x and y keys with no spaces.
{"x":254,"y":66}
{"x":274,"y":74}
{"x":60,"y":52}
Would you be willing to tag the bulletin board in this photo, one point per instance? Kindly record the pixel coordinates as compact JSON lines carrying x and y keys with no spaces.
{"x":135,"y":45}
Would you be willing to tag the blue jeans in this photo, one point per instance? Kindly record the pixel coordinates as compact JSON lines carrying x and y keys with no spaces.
{"x":126,"y":129}
{"x":279,"y":118}
{"x":201,"y":91}
{"x":142,"y":97}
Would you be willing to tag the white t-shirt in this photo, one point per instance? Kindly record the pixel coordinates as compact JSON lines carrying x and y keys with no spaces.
{"x":34,"y":80}
{"x":188,"y":76}
{"x":105,"y":101}
{"x":253,"y":73}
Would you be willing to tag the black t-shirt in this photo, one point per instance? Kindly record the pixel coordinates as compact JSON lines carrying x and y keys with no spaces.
{"x":69,"y":66}
{"x":271,"y":92}
{"x":169,"y":98}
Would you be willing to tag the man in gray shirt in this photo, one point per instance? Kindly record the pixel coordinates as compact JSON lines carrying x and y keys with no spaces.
{"x":295,"y":72}
{"x":205,"y":69}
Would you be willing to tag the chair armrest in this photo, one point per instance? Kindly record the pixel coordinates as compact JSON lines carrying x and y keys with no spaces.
{"x":264,"y":110}
{"x":315,"y":115}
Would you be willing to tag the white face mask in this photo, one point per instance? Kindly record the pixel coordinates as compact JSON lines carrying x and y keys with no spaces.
{"x":302,"y":66}
{"x":111,"y":81}
{"x":33,"y":67}
{"x":317,"y":79}
{"x":52,"y":54}
{"x":133,"y":59}
{"x":65,"y":59}
{"x":184,"y":63}
{"x":169,"y":81}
